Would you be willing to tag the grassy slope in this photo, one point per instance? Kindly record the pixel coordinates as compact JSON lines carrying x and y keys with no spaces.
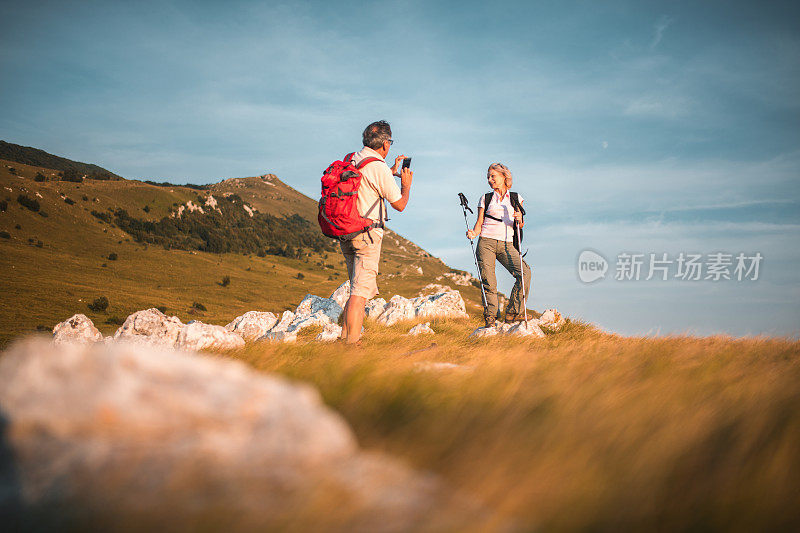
{"x":581,"y":430}
{"x":45,"y":285}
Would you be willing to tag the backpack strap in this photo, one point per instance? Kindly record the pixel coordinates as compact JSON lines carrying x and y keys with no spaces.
{"x":348,"y":158}
{"x":364,"y":162}
{"x":487,"y":199}
{"x":517,"y":231}
{"x":515,"y":202}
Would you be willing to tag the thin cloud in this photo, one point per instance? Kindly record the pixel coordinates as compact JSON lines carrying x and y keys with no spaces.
{"x":661,"y":26}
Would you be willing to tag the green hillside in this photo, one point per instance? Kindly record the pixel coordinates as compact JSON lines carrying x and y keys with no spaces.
{"x":57,"y":259}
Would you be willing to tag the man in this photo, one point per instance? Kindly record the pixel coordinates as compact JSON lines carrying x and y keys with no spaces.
{"x":362,"y":254}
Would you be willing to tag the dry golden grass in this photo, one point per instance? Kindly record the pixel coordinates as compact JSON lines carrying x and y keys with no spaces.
{"x":581,"y":430}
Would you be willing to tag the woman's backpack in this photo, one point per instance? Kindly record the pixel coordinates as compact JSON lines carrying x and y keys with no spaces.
{"x":514,"y":197}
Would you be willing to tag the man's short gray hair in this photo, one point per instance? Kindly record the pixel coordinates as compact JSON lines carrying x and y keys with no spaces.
{"x":376,"y":134}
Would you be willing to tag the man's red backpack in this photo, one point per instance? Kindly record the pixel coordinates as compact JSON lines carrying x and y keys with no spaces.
{"x":338,"y":214}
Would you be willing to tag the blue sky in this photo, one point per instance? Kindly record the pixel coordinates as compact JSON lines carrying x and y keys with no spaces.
{"x":629,"y":126}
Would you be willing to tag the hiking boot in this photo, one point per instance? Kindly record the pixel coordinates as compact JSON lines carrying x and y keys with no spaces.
{"x":490,"y":321}
{"x":513,"y":317}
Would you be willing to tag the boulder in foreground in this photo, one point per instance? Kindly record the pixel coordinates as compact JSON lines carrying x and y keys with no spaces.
{"x":105,"y":436}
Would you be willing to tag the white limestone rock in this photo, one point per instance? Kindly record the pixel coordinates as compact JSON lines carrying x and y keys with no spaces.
{"x":341,"y":294}
{"x":280,"y":336}
{"x":283,"y":324}
{"x":212,"y":203}
{"x":150,"y":326}
{"x":421,"y":329}
{"x":531,"y":329}
{"x":434,"y":301}
{"x":312,"y":304}
{"x":330,"y":333}
{"x":396,"y":309}
{"x":552,"y":321}
{"x":77,"y":329}
{"x":485,"y":332}
{"x":459,"y":279}
{"x":253,"y":324}
{"x":301,"y":322}
{"x":199,"y":336}
{"x":374,"y":308}
{"x":517,"y":329}
{"x":446,"y":303}
{"x":141,"y":434}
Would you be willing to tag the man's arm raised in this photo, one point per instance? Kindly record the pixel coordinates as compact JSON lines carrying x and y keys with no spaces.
{"x":406,"y":176}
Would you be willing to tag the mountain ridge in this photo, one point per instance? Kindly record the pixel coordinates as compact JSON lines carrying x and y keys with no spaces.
{"x":35,"y":157}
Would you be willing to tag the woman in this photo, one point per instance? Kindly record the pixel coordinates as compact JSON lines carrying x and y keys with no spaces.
{"x":495,"y":225}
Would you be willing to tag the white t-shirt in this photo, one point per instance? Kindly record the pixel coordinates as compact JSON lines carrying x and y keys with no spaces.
{"x":377,"y":183}
{"x":499,"y":208}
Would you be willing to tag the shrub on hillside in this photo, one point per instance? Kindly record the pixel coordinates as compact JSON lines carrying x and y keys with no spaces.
{"x":162,"y":308}
{"x":146,"y":209}
{"x":226,"y":280}
{"x":85,"y":198}
{"x":105,"y":217}
{"x":72,"y":175}
{"x":40,"y":177}
{"x":43,"y":214}
{"x":3,"y":205}
{"x":5,"y":235}
{"x":99,"y":305}
{"x":69,"y":201}
{"x":300,"y":275}
{"x":115,"y":320}
{"x":27,"y":201}
{"x":112,"y":256}
{"x":199,"y":306}
{"x":12,"y":170}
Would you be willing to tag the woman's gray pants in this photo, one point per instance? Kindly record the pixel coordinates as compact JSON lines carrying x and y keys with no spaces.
{"x":488,"y":251}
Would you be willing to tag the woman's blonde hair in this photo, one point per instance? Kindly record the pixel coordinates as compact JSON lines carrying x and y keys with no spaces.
{"x":502,"y":169}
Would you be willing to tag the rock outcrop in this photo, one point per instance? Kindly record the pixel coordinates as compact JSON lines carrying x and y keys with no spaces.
{"x":77,"y":329}
{"x":341,"y":294}
{"x":434,"y":301}
{"x":518,"y":329}
{"x":253,"y":324}
{"x":421,"y":329}
{"x":329,"y":333}
{"x":198,"y":336}
{"x":105,"y":436}
{"x":552,"y":321}
{"x":150,"y":326}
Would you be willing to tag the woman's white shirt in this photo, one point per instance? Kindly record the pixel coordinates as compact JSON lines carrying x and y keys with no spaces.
{"x":499,"y":208}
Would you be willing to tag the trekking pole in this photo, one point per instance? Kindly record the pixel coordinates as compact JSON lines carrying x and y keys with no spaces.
{"x":465,"y":208}
{"x":517,"y":227}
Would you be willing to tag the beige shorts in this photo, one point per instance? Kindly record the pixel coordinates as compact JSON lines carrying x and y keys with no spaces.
{"x":362,"y":256}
